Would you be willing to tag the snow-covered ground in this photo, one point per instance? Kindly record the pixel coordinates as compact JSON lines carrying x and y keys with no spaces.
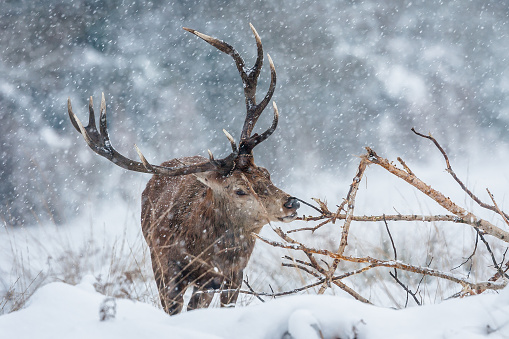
{"x":59,"y":310}
{"x":69,"y":273}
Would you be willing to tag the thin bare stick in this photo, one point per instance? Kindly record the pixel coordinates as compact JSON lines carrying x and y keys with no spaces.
{"x":408,"y":291}
{"x":303,"y":268}
{"x":296,"y":290}
{"x":350,"y":200}
{"x":498,"y":268}
{"x":392,"y":240}
{"x":405,"y":166}
{"x":350,"y":291}
{"x":246,"y":281}
{"x":395,"y":274}
{"x":498,"y":275}
{"x":499,"y":211}
{"x":471,"y":255}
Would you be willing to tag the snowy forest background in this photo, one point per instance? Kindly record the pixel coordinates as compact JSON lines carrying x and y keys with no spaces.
{"x":350,"y":74}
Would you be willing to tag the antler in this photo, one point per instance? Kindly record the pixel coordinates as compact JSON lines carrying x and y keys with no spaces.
{"x":99,"y":142}
{"x":249,"y":79}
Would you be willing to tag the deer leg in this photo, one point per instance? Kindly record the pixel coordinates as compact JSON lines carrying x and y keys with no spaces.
{"x":172,"y":298}
{"x":231,"y":289}
{"x":199,"y":300}
{"x":171,"y":284}
{"x":201,"y":297}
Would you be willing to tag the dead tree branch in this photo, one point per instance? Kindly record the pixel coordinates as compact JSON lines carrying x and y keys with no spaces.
{"x":442,"y":200}
{"x":377,"y":218}
{"x":325,"y":273}
{"x":350,"y":200}
{"x":453,"y":174}
{"x":478,"y":287}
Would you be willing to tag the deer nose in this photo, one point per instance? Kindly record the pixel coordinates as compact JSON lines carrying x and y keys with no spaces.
{"x":292,"y":203}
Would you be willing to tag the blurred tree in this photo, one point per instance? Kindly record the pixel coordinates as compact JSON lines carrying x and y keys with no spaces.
{"x":350,"y":73}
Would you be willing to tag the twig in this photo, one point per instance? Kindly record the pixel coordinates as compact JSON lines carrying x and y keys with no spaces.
{"x":390,"y":237}
{"x":395,"y":274}
{"x":408,"y":291}
{"x":499,"y":269}
{"x":405,"y":166}
{"x":498,"y":275}
{"x":296,"y":290}
{"x":246,"y":281}
{"x":312,"y":206}
{"x":499,"y":211}
{"x":350,"y":291}
{"x":303,"y":268}
{"x":471,"y":255}
{"x":350,"y":200}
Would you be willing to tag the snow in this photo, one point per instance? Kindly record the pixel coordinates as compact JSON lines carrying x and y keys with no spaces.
{"x":59,"y":310}
{"x":350,"y":74}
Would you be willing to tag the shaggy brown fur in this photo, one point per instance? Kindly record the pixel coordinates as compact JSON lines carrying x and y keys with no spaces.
{"x":198,"y":228}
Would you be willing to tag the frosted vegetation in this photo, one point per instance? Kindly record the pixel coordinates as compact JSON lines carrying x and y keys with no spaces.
{"x":350,"y":74}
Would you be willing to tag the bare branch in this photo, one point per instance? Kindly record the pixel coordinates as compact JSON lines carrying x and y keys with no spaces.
{"x":442,"y":200}
{"x":350,"y":200}
{"x":499,"y":211}
{"x":480,"y":286}
{"x":408,"y":291}
{"x":453,"y":174}
{"x":246,"y":281}
{"x":473,"y":252}
{"x":376,"y":218}
{"x":499,"y":269}
{"x":405,"y":166}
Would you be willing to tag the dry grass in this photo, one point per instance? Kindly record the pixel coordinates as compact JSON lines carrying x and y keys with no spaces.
{"x":35,"y":256}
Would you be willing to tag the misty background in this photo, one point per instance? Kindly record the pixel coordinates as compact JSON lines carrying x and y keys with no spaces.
{"x":350,"y":74}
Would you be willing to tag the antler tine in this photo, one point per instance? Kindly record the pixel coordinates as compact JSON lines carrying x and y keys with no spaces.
{"x":91,"y":116}
{"x":147,"y":165}
{"x":272,"y":128}
{"x":255,"y":72}
{"x":223,"y":47}
{"x":77,"y":124}
{"x":102,"y":119}
{"x":232,"y":141}
{"x":254,"y":140}
{"x":74,"y":119}
{"x":256,"y":111}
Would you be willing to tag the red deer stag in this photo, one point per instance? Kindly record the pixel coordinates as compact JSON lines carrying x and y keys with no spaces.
{"x":198,"y":214}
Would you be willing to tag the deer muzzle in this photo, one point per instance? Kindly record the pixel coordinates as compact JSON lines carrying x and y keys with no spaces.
{"x":290,"y":206}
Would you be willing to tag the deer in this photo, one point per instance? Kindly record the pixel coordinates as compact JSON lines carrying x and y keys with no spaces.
{"x":198,"y":215}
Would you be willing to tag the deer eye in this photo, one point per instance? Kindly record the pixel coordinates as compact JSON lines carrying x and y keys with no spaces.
{"x":240,"y":192}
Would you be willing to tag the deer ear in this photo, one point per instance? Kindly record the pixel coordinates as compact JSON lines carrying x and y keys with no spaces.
{"x":209,"y":179}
